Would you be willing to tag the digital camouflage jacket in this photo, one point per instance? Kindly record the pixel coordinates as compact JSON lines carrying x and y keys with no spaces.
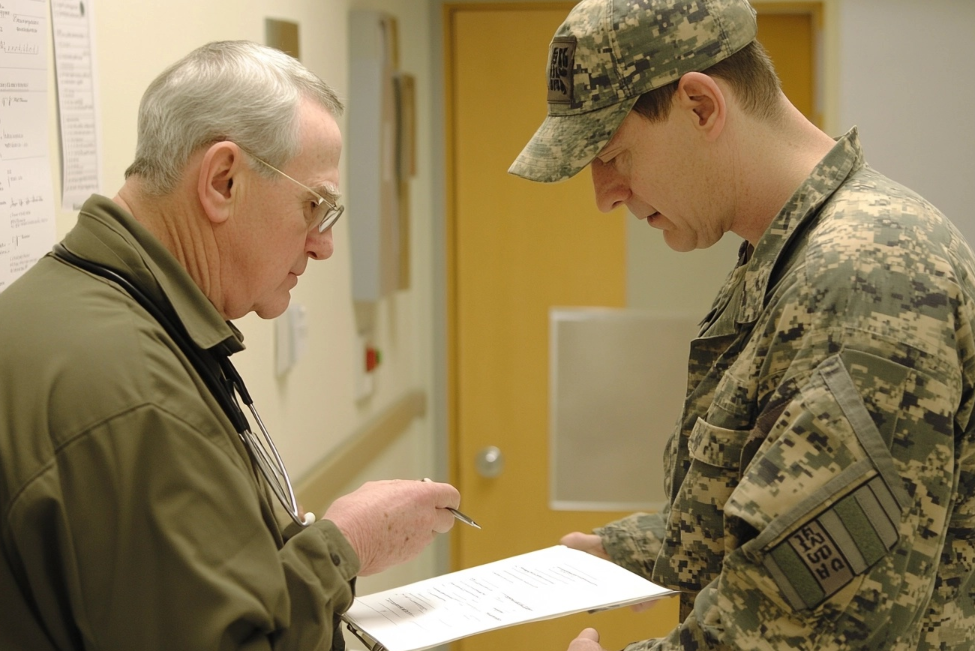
{"x":821,"y":478}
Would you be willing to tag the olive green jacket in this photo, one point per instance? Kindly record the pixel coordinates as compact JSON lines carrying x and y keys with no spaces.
{"x":130,"y":514}
{"x":822,"y":475}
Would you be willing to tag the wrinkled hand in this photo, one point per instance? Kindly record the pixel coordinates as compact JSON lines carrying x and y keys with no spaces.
{"x":390,"y":522}
{"x":588,"y":640}
{"x":593,"y":544}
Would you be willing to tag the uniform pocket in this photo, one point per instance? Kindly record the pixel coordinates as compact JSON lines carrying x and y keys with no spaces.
{"x":695,"y":543}
{"x":716,"y":446}
{"x":715,"y":459}
{"x":823,"y":494}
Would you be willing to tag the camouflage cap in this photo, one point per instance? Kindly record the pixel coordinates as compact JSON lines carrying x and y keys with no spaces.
{"x":609,"y":52}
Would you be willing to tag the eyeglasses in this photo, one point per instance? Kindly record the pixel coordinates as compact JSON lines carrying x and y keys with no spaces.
{"x":330,"y":211}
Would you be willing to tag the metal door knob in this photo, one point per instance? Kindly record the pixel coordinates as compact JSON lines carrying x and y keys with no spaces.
{"x":489,"y":462}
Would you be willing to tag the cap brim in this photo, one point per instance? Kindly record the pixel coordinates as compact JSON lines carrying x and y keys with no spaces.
{"x":565,"y":144}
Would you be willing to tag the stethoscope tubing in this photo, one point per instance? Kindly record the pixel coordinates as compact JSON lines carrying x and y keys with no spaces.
{"x":264,"y":453}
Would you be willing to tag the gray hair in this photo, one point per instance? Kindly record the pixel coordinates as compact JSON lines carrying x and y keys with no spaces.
{"x":227,"y":90}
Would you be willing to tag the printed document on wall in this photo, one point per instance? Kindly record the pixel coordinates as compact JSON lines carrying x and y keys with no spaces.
{"x":74,"y":66}
{"x":27,"y":228}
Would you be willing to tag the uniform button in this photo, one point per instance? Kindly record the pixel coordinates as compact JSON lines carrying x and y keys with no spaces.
{"x":336,"y":559}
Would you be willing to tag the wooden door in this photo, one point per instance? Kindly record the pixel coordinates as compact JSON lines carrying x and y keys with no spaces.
{"x":516,"y":249}
{"x":789,"y":32}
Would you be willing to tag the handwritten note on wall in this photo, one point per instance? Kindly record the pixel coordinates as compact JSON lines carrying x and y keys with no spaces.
{"x":74,"y":64}
{"x":26,"y":197}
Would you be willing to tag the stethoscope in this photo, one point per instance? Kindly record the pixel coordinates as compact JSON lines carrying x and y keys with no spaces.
{"x":261,"y":448}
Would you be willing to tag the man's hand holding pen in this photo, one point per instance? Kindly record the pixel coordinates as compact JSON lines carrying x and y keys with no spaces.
{"x":390,"y":522}
{"x":457,"y":514}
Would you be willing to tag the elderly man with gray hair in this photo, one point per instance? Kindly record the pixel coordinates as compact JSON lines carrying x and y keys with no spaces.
{"x":139,"y":509}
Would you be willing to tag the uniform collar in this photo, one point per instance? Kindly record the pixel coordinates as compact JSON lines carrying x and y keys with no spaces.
{"x":843,"y":159}
{"x":108,"y":235}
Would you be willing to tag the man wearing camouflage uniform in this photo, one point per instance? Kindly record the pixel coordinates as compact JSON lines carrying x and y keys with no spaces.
{"x":821,"y":479}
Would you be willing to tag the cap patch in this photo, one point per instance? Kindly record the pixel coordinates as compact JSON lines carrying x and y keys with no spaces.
{"x":607,"y":53}
{"x":561,"y":61}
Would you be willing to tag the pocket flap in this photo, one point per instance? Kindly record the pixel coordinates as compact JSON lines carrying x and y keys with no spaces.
{"x":716,"y":446}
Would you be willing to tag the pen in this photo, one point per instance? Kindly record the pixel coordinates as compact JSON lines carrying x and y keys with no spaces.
{"x":457,"y":514}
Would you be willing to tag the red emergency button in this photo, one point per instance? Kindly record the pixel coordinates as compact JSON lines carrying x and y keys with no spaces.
{"x":373,"y":358}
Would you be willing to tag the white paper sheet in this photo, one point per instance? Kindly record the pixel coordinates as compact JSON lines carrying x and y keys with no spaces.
{"x":74,"y":65}
{"x":539,"y":585}
{"x":26,"y":195}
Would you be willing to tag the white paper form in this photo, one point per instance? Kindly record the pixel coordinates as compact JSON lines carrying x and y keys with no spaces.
{"x":74,"y":66}
{"x":539,"y":585}
{"x":26,"y":197}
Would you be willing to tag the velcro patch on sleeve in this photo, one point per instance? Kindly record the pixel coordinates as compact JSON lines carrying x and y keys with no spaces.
{"x":826,"y":553}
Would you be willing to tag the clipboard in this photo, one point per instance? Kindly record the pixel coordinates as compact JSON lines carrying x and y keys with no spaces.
{"x":363,"y":637}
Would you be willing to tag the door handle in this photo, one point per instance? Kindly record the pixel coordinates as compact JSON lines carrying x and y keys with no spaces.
{"x":489,"y":462}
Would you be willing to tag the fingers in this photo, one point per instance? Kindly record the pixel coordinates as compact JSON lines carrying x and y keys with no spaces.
{"x":390,"y":522}
{"x":587,"y":640}
{"x":444,"y":521}
{"x":644,"y":606}
{"x":585,"y":542}
{"x":447,"y":496}
{"x":446,"y":518}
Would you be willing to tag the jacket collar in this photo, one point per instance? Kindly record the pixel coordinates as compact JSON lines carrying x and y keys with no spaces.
{"x":108,"y":235}
{"x":845,"y":158}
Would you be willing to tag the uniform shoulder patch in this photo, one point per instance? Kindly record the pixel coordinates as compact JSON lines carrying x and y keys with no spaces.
{"x":824,"y":554}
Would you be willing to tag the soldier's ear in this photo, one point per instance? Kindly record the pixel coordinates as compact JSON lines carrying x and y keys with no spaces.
{"x":703,"y":102}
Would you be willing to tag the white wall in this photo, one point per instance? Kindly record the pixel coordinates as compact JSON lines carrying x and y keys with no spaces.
{"x":907,"y":83}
